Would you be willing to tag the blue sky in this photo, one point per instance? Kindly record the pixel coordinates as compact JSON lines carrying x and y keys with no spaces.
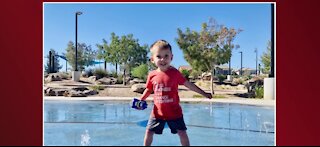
{"x":149,"y":22}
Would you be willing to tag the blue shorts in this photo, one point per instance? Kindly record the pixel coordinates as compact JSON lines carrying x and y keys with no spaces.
{"x":157,"y":125}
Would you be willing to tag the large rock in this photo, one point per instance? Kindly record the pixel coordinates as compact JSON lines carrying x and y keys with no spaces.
{"x":105,"y":81}
{"x":53,"y":77}
{"x":92,"y":79}
{"x":135,"y":81}
{"x":138,"y":88}
{"x":74,"y":93}
{"x":113,"y":80}
{"x":241,"y":87}
{"x":64,"y":76}
{"x":252,"y":84}
{"x":90,"y":92}
{"x":55,"y":92}
{"x":80,"y":88}
{"x":80,"y":93}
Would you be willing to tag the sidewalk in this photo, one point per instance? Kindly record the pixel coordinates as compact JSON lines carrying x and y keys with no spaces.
{"x":245,"y":101}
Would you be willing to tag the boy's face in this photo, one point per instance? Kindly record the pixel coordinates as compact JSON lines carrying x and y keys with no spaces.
{"x":161,"y":58}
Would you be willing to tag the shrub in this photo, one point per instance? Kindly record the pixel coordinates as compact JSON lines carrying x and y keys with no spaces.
{"x":221,"y":78}
{"x":119,"y":79}
{"x":140,"y":72}
{"x":114,"y":74}
{"x":100,"y":73}
{"x":247,"y":77}
{"x":241,"y":81}
{"x":259,"y":92}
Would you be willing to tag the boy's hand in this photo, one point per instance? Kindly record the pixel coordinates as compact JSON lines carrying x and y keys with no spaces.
{"x":208,"y":95}
{"x":144,"y":105}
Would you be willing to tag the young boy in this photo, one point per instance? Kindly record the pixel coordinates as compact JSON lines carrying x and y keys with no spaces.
{"x":164,"y":82}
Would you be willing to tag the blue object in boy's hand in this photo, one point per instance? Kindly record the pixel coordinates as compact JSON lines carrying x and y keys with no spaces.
{"x":139,"y":104}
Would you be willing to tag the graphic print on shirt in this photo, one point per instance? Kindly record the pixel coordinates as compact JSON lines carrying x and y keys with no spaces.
{"x":161,"y":93}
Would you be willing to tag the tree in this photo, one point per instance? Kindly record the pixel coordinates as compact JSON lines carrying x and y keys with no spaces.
{"x":210,"y":47}
{"x":140,"y":71}
{"x":57,"y":65}
{"x":125,"y":51}
{"x":185,"y":73}
{"x":89,"y":55}
{"x":110,"y":52}
{"x":266,"y":59}
{"x":86,"y":55}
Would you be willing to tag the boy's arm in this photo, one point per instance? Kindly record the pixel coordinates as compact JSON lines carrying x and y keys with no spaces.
{"x":195,"y":88}
{"x":145,"y":94}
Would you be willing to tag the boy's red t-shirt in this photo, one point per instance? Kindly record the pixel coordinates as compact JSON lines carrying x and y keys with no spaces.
{"x":166,"y":98}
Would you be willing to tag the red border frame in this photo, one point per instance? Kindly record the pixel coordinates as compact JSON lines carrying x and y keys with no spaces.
{"x":296,"y":85}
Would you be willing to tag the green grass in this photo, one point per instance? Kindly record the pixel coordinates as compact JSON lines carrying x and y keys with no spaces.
{"x":219,"y":96}
{"x":214,"y":96}
{"x":97,"y":87}
{"x":197,"y":96}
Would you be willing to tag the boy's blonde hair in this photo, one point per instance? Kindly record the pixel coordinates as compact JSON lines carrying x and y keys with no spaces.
{"x":162,"y":44}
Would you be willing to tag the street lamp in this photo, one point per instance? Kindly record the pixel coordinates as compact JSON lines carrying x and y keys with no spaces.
{"x":256,"y":51}
{"x":259,"y":69}
{"x":241,"y":64}
{"x":272,"y":42}
{"x":76,"y":73}
{"x":50,"y":62}
{"x":77,"y":13}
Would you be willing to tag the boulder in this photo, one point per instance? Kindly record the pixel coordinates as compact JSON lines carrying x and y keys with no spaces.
{"x":105,"y":81}
{"x":113,"y":80}
{"x":49,"y":92}
{"x":241,"y":87}
{"x":55,"y":92}
{"x":135,"y":81}
{"x":138,"y":88}
{"x":90,"y":92}
{"x":53,"y":77}
{"x":74,"y":93}
{"x":92,"y":79}
{"x":252,"y":84}
{"x":80,"y":88}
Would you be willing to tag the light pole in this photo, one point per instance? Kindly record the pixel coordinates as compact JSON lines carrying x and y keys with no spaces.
{"x":259,"y":68}
{"x":268,"y":83}
{"x":76,"y":74}
{"x":50,"y":62}
{"x":241,"y":64}
{"x":256,"y":51}
{"x":105,"y":62}
{"x":77,"y":13}
{"x":272,"y":41}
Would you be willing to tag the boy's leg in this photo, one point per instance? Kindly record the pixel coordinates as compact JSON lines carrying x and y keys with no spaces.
{"x":154,"y":126}
{"x":184,"y":139}
{"x":148,"y":138}
{"x":178,"y":126}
